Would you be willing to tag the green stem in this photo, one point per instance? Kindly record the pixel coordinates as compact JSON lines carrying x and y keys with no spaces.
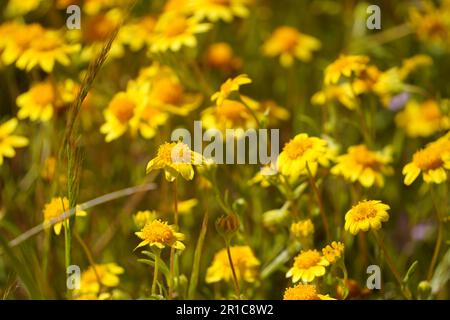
{"x":155,"y":273}
{"x":438,"y":244}
{"x":319,"y":202}
{"x":233,"y":271}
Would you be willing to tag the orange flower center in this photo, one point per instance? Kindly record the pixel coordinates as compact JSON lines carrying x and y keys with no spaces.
{"x":363,"y":211}
{"x":430,"y":111}
{"x":122,"y":108}
{"x":165,"y":152}
{"x":301,"y":292}
{"x":98,"y":29}
{"x":296,"y":148}
{"x":231,"y":110}
{"x":158,"y":231}
{"x":176,"y":27}
{"x":287,"y":38}
{"x":307,"y":259}
{"x":167,"y":91}
{"x":428,"y":158}
{"x":364,"y":156}
{"x":43,"y":94}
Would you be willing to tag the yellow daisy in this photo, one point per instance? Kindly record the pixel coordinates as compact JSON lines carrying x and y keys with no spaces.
{"x":333,"y":252}
{"x":175,"y":158}
{"x":45,"y":51}
{"x":301,"y":151}
{"x":43,"y":99}
{"x":15,"y":38}
{"x":215,"y":10}
{"x":302,"y":228}
{"x":107,"y":274}
{"x":304,"y":292}
{"x":229,"y":86}
{"x":244,"y":262}
{"x":411,"y":64}
{"x":159,"y":234}
{"x":55,"y":208}
{"x":288,"y":43}
{"x":138,"y":34}
{"x":363,"y":165}
{"x":8,"y":141}
{"x":121,"y":109}
{"x":174,"y":30}
{"x":307,"y":266}
{"x":230,"y":114}
{"x":367,"y":214}
{"x":344,"y":66}
{"x":433,"y":161}
{"x":422,"y":119}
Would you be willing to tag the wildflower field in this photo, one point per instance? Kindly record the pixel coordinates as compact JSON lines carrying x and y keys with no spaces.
{"x":224,"y":149}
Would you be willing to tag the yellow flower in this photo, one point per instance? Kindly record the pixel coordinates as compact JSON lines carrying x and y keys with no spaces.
{"x":96,"y":276}
{"x":244,"y":262}
{"x":186,"y":206}
{"x":366,"y":80}
{"x":55,"y":208}
{"x":42,"y":100}
{"x":342,"y":93}
{"x":288,"y":43}
{"x":363,"y":165}
{"x":175,"y":158}
{"x":333,"y":252}
{"x":119,"y":112}
{"x":8,"y":141}
{"x":220,"y":55}
{"x":215,"y":10}
{"x":138,"y":34}
{"x":228,"y":87}
{"x":167,"y":93}
{"x":307,"y":266}
{"x":304,"y":292}
{"x":229,"y":114}
{"x":159,"y":234}
{"x":432,"y":161}
{"x":45,"y":51}
{"x":15,"y":38}
{"x":141,"y":218}
{"x":431,"y":24}
{"x":367,"y":214}
{"x":422,"y":119}
{"x":302,"y":228}
{"x":345,"y":66}
{"x":301,"y":151}
{"x":174,"y":30}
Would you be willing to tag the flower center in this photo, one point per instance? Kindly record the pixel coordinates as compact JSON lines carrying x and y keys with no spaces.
{"x":176,"y":27}
{"x":428,"y":158}
{"x":158,"y":231}
{"x":431,"y":111}
{"x":364,"y":211}
{"x":287,"y":37}
{"x":167,"y":90}
{"x":43,"y":94}
{"x":307,"y":259}
{"x":301,"y":292}
{"x":98,"y":29}
{"x":364,"y":156}
{"x":296,"y":148}
{"x":122,"y":108}
{"x":231,"y":110}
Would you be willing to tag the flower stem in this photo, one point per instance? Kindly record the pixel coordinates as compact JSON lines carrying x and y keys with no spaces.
{"x":155,"y":273}
{"x":233,"y":271}
{"x":437,"y":247}
{"x":312,"y":181}
{"x":172,"y":250}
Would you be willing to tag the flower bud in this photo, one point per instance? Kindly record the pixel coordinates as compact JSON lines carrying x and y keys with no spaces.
{"x":227,"y":225}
